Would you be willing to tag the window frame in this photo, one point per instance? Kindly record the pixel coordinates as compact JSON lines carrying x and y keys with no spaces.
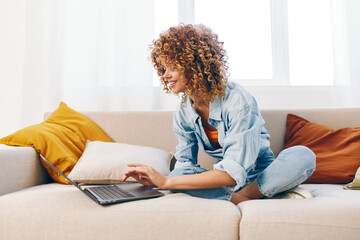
{"x":279,"y":39}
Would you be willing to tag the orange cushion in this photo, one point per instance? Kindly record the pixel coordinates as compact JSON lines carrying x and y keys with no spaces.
{"x":337,"y":151}
{"x":60,"y":139}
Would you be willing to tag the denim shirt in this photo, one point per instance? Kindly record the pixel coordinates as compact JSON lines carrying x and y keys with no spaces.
{"x":242,"y":136}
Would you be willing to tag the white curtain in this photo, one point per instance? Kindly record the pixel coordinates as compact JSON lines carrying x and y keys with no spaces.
{"x":93,"y":55}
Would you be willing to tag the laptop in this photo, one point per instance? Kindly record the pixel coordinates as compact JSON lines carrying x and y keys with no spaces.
{"x":112,"y":193}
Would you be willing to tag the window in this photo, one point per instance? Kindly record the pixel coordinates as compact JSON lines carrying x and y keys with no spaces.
{"x":269,"y":42}
{"x":245,"y":28}
{"x":310,"y":42}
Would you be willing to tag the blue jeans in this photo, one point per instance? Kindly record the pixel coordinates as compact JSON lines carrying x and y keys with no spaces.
{"x":293,"y":166}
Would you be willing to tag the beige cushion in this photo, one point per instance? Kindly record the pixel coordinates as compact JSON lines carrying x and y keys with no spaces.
{"x":55,"y":211}
{"x":106,"y":163}
{"x":333,"y":213}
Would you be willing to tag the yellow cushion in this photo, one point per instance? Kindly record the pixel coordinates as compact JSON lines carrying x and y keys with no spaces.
{"x":60,"y":139}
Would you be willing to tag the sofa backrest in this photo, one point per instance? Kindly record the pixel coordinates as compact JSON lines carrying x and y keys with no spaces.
{"x":154,"y":128}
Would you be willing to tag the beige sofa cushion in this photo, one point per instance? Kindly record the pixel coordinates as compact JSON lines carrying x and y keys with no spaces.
{"x":106,"y":162}
{"x":63,"y":212}
{"x":333,"y":213}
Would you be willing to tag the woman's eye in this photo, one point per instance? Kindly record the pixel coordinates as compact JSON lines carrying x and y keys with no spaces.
{"x":169,"y":68}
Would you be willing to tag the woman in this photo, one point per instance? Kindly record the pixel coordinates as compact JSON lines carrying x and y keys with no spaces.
{"x":223,"y":119}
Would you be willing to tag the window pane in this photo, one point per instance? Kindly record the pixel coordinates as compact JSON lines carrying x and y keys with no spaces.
{"x":245,"y":28}
{"x":310,"y":42}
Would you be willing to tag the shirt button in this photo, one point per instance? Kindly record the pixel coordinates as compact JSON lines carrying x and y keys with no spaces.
{"x":204,"y":139}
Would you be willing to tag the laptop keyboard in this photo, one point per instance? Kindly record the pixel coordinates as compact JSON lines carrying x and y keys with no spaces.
{"x":111,"y":192}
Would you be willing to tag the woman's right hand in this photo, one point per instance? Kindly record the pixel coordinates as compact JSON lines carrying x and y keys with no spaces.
{"x":146,"y":175}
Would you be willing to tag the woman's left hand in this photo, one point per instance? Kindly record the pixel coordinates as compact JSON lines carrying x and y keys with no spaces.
{"x":146,"y":175}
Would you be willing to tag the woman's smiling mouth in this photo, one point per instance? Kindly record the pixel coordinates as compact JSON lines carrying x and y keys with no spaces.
{"x":172,"y":83}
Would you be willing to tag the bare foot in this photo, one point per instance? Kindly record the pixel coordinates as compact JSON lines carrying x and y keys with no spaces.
{"x":237,"y":198}
{"x":251,"y":191}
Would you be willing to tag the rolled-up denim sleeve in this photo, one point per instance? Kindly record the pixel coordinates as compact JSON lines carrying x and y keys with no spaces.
{"x":241,"y":145}
{"x":187,"y":148}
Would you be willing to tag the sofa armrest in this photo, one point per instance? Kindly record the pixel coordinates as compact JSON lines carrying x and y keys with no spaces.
{"x":20,"y":168}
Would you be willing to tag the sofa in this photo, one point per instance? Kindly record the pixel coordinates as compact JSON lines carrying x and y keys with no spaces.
{"x":32,"y":206}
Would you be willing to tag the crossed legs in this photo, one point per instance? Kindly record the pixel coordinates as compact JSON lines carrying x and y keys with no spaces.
{"x":251,"y":191}
{"x":292,"y":167}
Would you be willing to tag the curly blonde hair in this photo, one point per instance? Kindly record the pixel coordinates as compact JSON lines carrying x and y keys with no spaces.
{"x":198,"y":55}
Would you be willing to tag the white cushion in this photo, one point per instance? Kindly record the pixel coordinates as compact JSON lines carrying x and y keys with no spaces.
{"x":106,"y":163}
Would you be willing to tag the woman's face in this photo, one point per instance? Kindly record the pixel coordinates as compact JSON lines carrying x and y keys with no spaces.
{"x":175,"y":80}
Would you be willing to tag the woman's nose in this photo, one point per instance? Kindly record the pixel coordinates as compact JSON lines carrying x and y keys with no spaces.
{"x":167,"y":74}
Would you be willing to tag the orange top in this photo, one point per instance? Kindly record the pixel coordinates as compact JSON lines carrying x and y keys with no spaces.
{"x":212,"y":135}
